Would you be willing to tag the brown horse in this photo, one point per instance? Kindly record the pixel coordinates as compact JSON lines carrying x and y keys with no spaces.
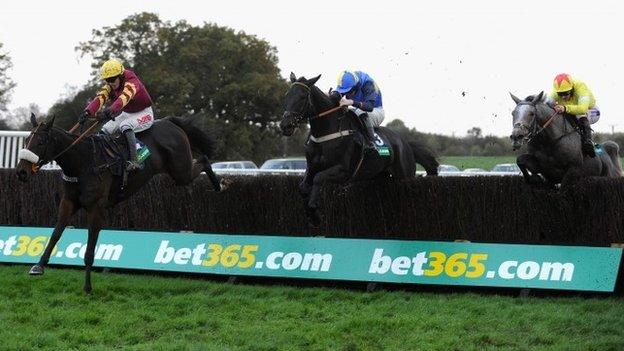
{"x":90,"y":179}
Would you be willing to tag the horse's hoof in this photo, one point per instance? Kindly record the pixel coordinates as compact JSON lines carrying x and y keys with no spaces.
{"x":224,"y":184}
{"x":36,"y":270}
{"x":87,"y":289}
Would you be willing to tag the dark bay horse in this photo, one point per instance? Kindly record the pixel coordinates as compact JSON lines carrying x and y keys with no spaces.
{"x":87,"y":185}
{"x":554,"y":146}
{"x":334,"y":150}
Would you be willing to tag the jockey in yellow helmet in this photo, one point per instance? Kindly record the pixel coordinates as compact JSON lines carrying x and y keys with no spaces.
{"x":573,"y":97}
{"x":130,"y":110}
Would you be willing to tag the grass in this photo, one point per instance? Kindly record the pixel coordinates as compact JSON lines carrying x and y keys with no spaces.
{"x":139,"y":312}
{"x":484,"y":162}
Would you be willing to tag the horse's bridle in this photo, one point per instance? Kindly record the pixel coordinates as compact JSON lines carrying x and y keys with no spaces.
{"x":301,"y":115}
{"x":42,"y":161}
{"x":308,"y":106}
{"x":535,"y":129}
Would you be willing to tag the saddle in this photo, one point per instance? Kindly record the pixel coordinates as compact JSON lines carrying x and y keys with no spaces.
{"x":111,"y":153}
{"x":574,"y":123}
{"x":360,"y":129}
{"x":382,"y":145}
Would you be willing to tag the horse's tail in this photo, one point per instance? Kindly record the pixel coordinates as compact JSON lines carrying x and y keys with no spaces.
{"x":424,"y":156}
{"x":613,"y":150}
{"x":200,"y":141}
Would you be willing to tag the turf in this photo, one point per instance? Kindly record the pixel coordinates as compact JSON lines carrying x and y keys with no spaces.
{"x":140,"y":312}
{"x":484,"y":162}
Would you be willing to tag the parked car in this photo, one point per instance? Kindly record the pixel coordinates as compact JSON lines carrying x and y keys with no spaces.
{"x":447,"y":168}
{"x":234,"y":165}
{"x":474,"y":170}
{"x":295,"y":163}
{"x":507,"y":168}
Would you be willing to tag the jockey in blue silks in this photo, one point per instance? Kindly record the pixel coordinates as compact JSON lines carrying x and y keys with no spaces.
{"x":360,"y":93}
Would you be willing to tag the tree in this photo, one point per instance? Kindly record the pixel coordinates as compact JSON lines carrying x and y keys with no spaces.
{"x":192,"y":69}
{"x":474,"y":132}
{"x":6,"y":84}
{"x":475,"y":144}
{"x":228,"y":80}
{"x":19,"y":118}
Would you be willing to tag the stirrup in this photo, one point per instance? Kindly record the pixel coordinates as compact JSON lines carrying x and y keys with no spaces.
{"x":589,"y":149}
{"x":133,"y":166}
{"x":369,"y":147}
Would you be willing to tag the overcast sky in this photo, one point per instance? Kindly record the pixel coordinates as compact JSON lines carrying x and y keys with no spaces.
{"x":442,"y":66}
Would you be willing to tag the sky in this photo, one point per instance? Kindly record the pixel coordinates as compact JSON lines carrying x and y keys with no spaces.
{"x":442,"y":66}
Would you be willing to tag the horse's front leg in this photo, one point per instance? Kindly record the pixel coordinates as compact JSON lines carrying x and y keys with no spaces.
{"x":95,"y":217}
{"x":572,"y":175}
{"x":305,"y":188}
{"x":66,"y":209}
{"x":529,"y":166}
{"x":334,"y":174}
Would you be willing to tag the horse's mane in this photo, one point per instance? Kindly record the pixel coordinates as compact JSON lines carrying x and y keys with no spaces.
{"x":322,"y":95}
{"x":317,"y":92}
{"x":542,"y":102}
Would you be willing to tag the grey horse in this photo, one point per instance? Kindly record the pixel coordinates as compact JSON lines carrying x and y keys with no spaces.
{"x":554,"y":146}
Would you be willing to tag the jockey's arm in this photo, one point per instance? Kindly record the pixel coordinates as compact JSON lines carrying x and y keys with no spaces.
{"x":99,"y":101}
{"x":581,"y":107}
{"x":129,"y":91}
{"x":335,"y":97}
{"x":583,"y":101}
{"x":370,"y":95}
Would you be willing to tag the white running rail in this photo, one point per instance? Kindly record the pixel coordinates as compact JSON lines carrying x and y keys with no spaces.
{"x":11,"y":142}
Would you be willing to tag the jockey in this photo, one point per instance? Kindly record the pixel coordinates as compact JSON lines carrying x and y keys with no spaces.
{"x":360,"y":93}
{"x":572,"y":96}
{"x":130,"y":110}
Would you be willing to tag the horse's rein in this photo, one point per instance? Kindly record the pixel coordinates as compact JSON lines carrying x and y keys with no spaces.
{"x":36,"y":167}
{"x":542,"y":128}
{"x":324,"y":113}
{"x":551,"y":118}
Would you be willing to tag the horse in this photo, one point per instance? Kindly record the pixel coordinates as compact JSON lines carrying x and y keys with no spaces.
{"x":90,"y":177}
{"x":554,"y":146}
{"x":334,"y":150}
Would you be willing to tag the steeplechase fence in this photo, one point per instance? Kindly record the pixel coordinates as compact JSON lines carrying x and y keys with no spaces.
{"x":478,"y":209}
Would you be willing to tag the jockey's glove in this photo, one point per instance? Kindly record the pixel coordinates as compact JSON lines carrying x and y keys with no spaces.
{"x":107,"y":114}
{"x":83,"y":116}
{"x":335,"y":97}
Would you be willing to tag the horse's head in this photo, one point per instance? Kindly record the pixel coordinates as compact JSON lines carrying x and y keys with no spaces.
{"x":526,"y":118}
{"x":37,"y":151}
{"x":298,"y":103}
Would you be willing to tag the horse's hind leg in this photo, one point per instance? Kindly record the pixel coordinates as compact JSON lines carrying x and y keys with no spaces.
{"x":425,"y":157}
{"x":202,"y":164}
{"x":66,"y":209}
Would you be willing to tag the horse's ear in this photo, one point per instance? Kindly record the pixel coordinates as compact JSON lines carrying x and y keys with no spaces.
{"x":49,"y":123}
{"x":293,"y":77}
{"x":313,"y":81}
{"x":515,"y":98}
{"x":538,"y":97}
{"x":33,"y":120}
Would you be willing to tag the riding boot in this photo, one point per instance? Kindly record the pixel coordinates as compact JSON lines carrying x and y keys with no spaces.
{"x":369,"y":133}
{"x":133,"y":163}
{"x":586,"y":141}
